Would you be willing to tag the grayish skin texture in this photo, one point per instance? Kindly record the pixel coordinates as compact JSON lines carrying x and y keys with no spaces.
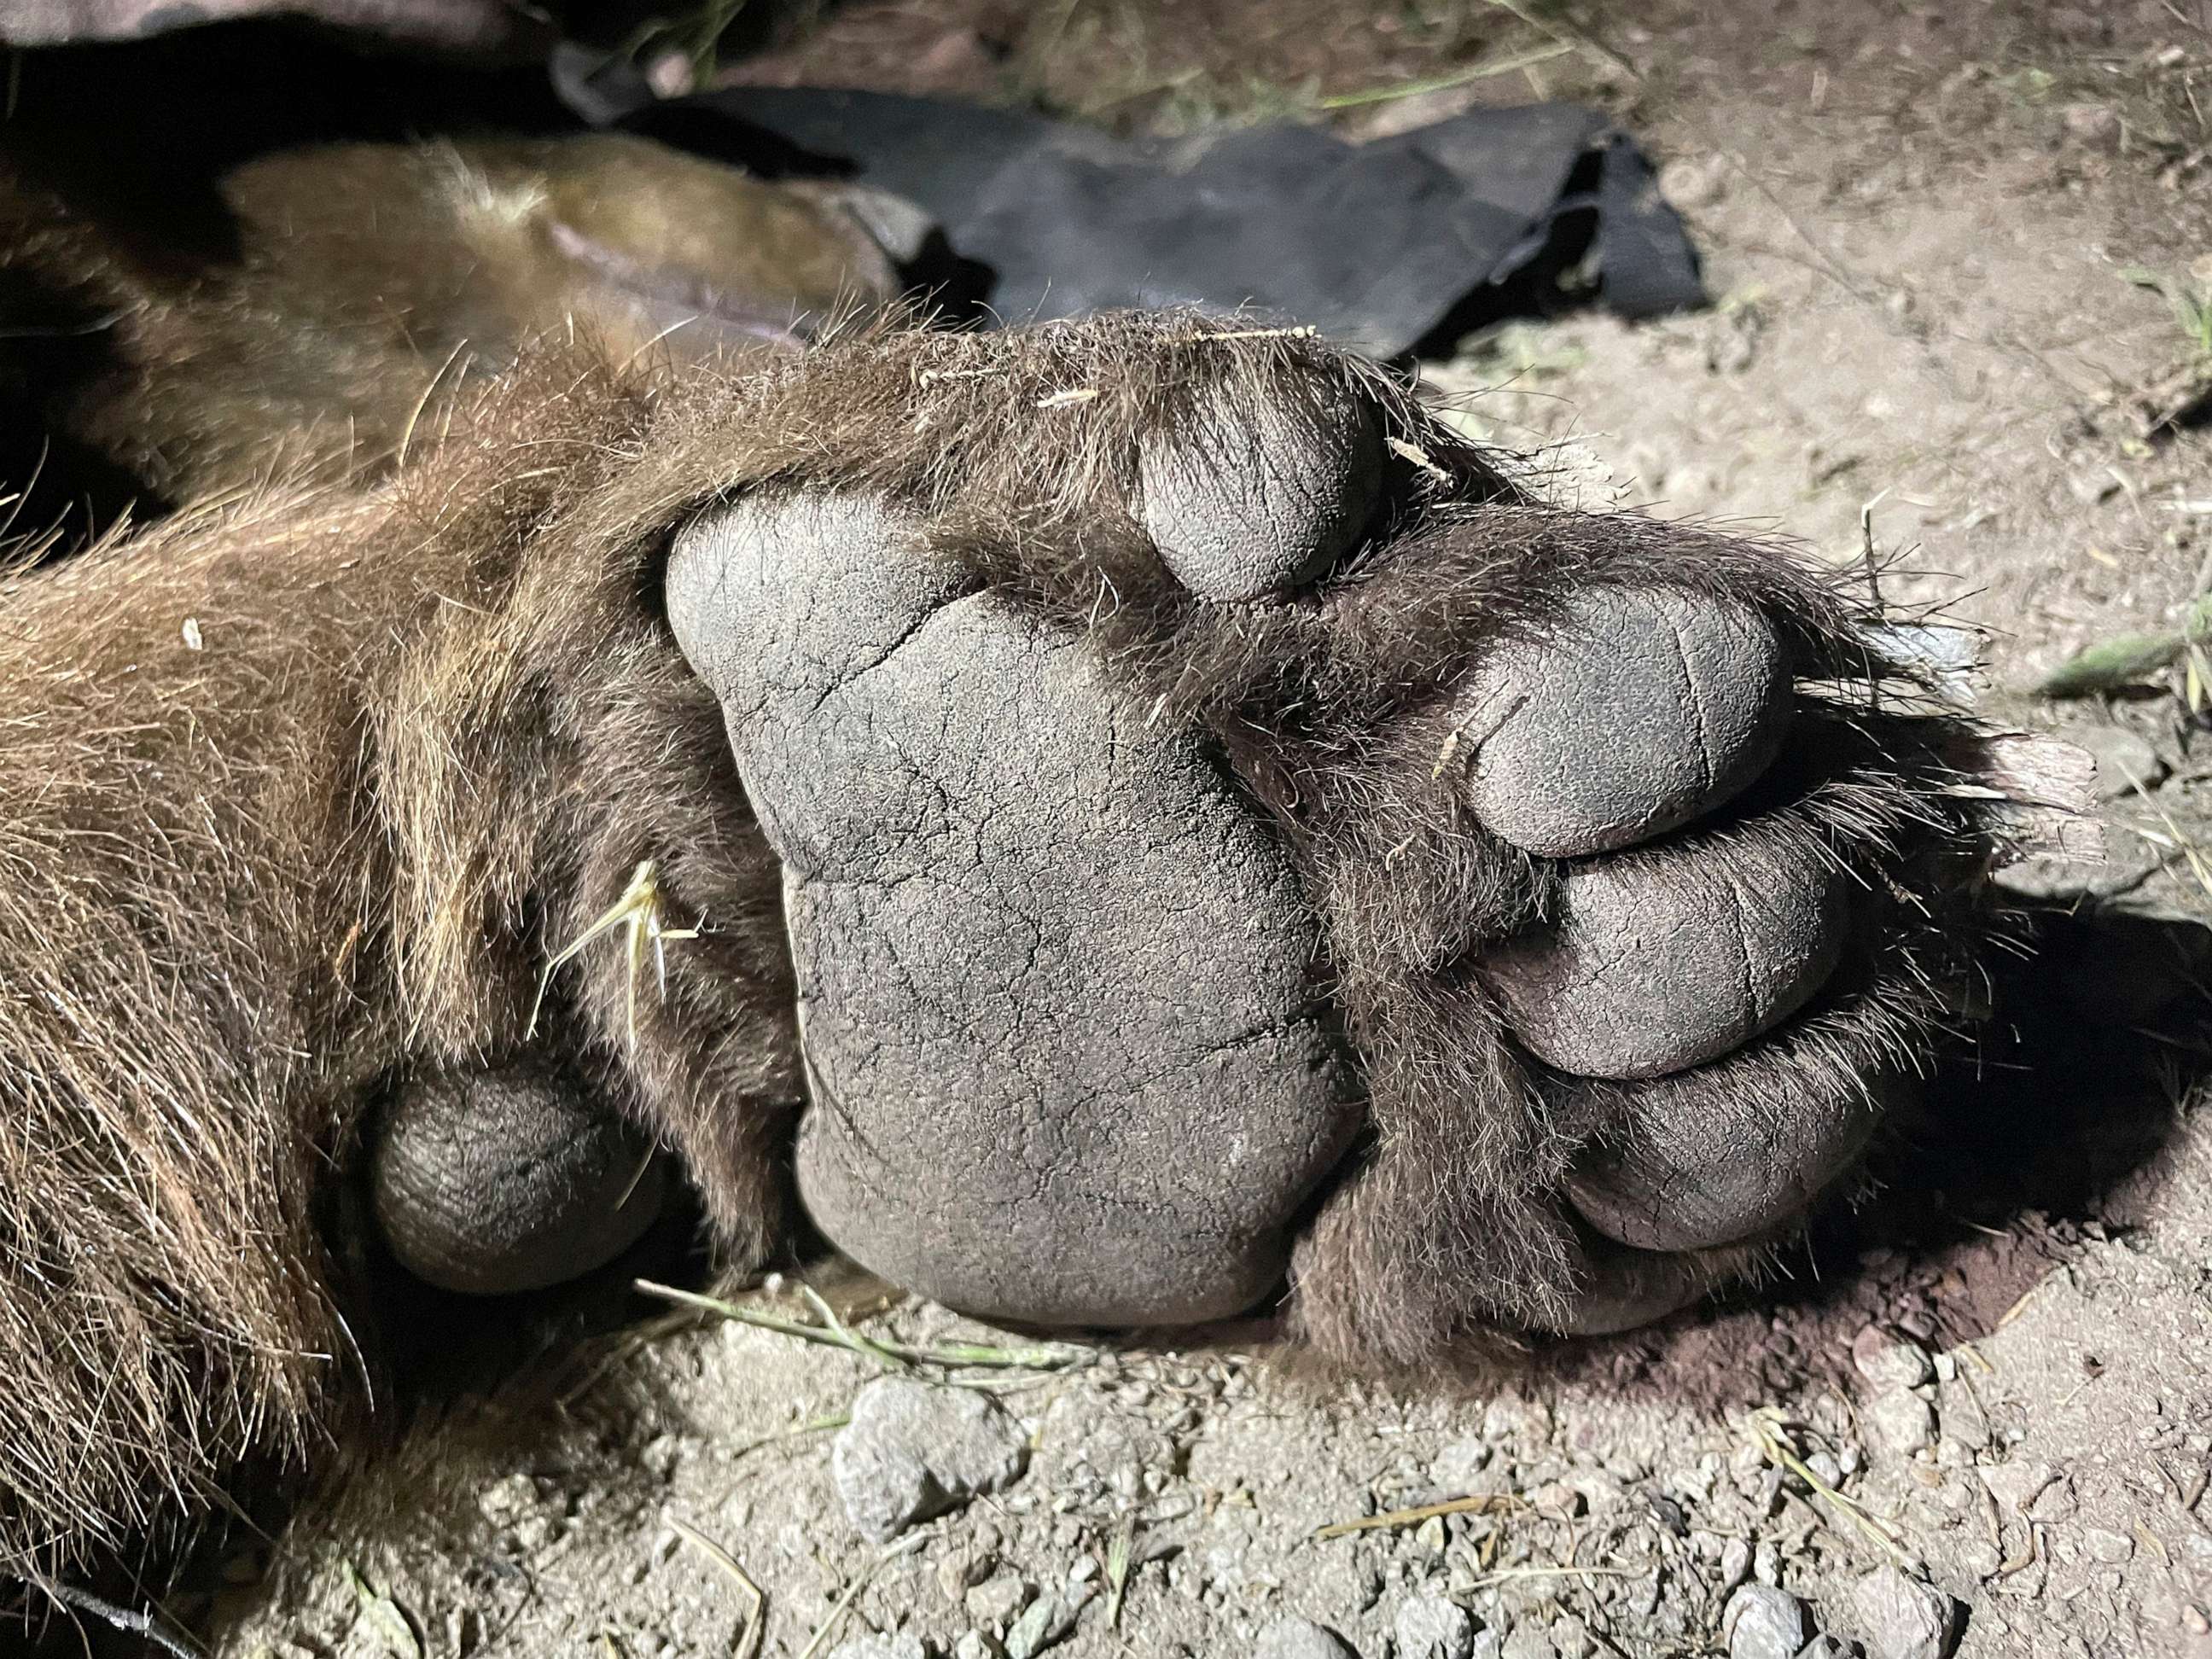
{"x":1247,"y":504}
{"x":1699,"y":1163}
{"x":510,"y":1180}
{"x":1068,"y":1056}
{"x":1672,"y":955}
{"x":1044,"y":952}
{"x":1644,"y":711}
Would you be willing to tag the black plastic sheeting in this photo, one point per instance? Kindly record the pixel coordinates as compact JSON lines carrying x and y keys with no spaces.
{"x":1380,"y":245}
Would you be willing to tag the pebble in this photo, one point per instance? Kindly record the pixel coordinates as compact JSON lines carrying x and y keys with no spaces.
{"x":1431,"y":1627}
{"x":995,"y":1601}
{"x":1903,"y":1618}
{"x":1301,"y":1638}
{"x":2091,"y":123}
{"x":1455,"y":1468}
{"x":2122,"y":758}
{"x":2110,"y":1547}
{"x":1888,"y":1362}
{"x":1761,"y":1622}
{"x":1736,"y":1563}
{"x":1904,"y":1423}
{"x":912,"y":1451}
{"x":1036,"y":1630}
{"x":1694,"y":181}
{"x":973,"y":1644}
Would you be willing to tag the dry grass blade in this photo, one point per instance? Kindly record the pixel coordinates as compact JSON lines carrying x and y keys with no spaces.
{"x":2113,"y":664}
{"x":642,"y":914}
{"x":1507,"y":65}
{"x":845,"y":1334}
{"x":727,"y":1565}
{"x":1058,"y":1357}
{"x":1117,"y":1570}
{"x":844,"y":1602}
{"x":1768,"y":1432}
{"x":1482,"y":1503}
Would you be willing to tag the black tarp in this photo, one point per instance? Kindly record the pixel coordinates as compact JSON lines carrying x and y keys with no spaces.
{"x":1380,"y":245}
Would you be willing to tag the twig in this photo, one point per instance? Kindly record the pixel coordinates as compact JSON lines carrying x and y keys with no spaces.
{"x":757,"y":1618}
{"x":1482,"y":1503}
{"x":134,"y":1624}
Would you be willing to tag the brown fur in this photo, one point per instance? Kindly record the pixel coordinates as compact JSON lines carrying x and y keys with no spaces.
{"x":306,"y":788}
{"x":308,"y":320}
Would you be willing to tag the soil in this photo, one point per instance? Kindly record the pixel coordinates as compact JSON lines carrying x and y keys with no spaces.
{"x":1930,"y":231}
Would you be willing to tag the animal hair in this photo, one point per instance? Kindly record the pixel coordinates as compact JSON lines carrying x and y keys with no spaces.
{"x":306,"y":785}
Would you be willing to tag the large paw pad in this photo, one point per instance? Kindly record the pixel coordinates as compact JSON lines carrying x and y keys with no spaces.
{"x":1183,"y":752}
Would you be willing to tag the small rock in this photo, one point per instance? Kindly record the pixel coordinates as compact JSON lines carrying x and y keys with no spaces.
{"x":1301,"y":1638}
{"x":912,"y":1451}
{"x":996,"y":1601}
{"x":2110,"y":1547}
{"x":1430,"y":1627}
{"x":1528,"y":1641}
{"x":509,"y":1499}
{"x":1736,"y":1563}
{"x":1904,"y":1423}
{"x":1887,"y":1362}
{"x":1456,"y":1465}
{"x":1694,"y":181}
{"x":962,"y":1571}
{"x":2018,"y":1484}
{"x":1905,"y":1618}
{"x":2091,"y":123}
{"x":1511,"y":1417}
{"x":1824,"y":1646}
{"x":1764,"y":1623}
{"x":973,"y":1644}
{"x":1037,"y":1629}
{"x":906,"y":1646}
{"x":2122,"y":758}
{"x":1570,"y":1637}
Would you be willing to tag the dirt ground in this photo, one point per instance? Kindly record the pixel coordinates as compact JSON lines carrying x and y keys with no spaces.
{"x":1978,"y":1408}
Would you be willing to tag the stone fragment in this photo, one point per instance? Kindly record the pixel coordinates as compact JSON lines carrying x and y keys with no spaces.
{"x":1903,"y":1618}
{"x":1889,"y":1361}
{"x":1760,"y":1622}
{"x":1904,"y":1423}
{"x":912,"y":1451}
{"x":1431,"y":1627}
